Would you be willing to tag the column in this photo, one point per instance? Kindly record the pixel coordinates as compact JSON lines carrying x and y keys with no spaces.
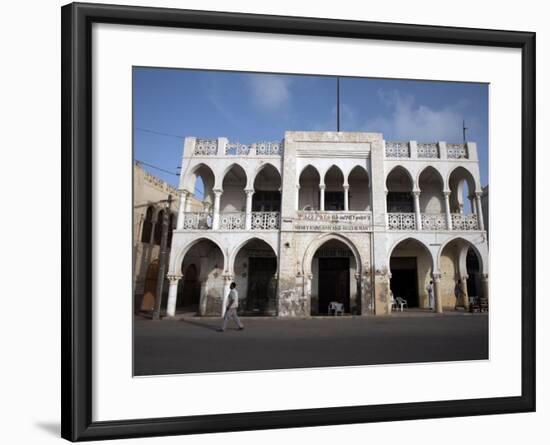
{"x":479,"y":212}
{"x":202,"y":298}
{"x":437,"y":293}
{"x":322,"y":197}
{"x":248,"y":223}
{"x":216,"y":217}
{"x":418,"y":216}
{"x":181,"y":210}
{"x":172,"y":294}
{"x":227,"y":280}
{"x":464,"y":287}
{"x":448,"y":211}
{"x":346,"y":197}
{"x":297,"y":196}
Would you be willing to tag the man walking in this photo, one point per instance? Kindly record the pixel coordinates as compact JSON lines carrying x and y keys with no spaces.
{"x":231,"y":308}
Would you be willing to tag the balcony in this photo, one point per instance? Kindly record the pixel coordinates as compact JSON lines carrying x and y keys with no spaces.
{"x":432,"y":221}
{"x":231,"y":221}
{"x":426,"y":150}
{"x":214,"y":147}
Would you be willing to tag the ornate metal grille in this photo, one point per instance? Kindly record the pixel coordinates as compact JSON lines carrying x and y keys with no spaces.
{"x":434,"y":221}
{"x":428,"y":150}
{"x":401,"y":221}
{"x":397,"y":150}
{"x":457,"y":151}
{"x":237,"y":149}
{"x":269,"y":148}
{"x":206,"y":147}
{"x":464,"y":222}
{"x":197,"y":220}
{"x":232,"y":220}
{"x":265,"y":220}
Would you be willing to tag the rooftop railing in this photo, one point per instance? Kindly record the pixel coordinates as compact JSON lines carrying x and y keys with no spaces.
{"x":426,"y":150}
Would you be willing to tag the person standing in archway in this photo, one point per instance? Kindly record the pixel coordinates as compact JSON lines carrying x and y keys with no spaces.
{"x":431,"y":301}
{"x":231,"y":308}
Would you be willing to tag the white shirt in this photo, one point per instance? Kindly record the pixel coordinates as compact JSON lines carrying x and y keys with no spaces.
{"x":233,"y":298}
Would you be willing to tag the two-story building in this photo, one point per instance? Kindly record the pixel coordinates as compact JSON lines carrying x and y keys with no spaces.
{"x":326,"y":217}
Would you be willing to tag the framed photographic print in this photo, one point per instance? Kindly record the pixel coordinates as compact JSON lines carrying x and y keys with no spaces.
{"x":333,"y":220}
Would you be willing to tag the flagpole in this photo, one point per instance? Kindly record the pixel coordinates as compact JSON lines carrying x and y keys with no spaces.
{"x":338,"y":103}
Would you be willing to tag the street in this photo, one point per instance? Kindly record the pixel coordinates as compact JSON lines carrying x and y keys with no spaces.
{"x":193,"y":345}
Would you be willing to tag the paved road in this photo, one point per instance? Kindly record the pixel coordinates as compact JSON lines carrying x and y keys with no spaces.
{"x":194,"y":345}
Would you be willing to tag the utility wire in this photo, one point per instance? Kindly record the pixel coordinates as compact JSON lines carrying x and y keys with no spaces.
{"x":155,"y":167}
{"x":146,"y":130}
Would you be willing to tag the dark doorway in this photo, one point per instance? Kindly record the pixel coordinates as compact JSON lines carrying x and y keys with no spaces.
{"x":333,"y":283}
{"x":190,"y":294}
{"x":260,"y":298}
{"x":404,"y":279}
{"x":472,"y":269}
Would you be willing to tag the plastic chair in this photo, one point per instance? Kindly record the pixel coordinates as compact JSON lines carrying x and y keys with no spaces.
{"x":402,"y":303}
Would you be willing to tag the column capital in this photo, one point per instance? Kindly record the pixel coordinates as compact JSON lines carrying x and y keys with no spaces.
{"x":358,"y":276}
{"x":436,"y":277}
{"x":446,"y":193}
{"x":173,"y":278}
{"x":346,"y":186}
{"x":249,"y":191}
{"x":218,"y":192}
{"x":464,"y":277}
{"x":184,"y":193}
{"x":228,"y":277}
{"x":322,"y":186}
{"x":416,"y":192}
{"x":478,"y":194}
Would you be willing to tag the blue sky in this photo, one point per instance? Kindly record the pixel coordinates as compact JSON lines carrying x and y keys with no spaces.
{"x":170,"y":104}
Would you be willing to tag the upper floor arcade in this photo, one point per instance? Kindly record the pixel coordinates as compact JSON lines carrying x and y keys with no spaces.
{"x":329,"y":176}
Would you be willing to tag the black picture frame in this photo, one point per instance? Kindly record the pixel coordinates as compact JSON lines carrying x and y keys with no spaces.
{"x":76,"y":248}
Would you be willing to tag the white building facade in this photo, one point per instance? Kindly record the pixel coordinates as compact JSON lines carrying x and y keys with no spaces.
{"x":325,"y":217}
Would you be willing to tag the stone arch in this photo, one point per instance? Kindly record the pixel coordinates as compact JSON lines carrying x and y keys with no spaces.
{"x":259,"y":169}
{"x":227,"y":169}
{"x":481,"y":256}
{"x":175,"y":267}
{"x":433,"y":261}
{"x":456,"y":179}
{"x":235,"y":251}
{"x":359,"y":188}
{"x":431,"y":168}
{"x":209,"y":179}
{"x":308,"y":193}
{"x":310,"y":166}
{"x":322,"y":239}
{"x":407,"y":172}
{"x":335,"y":168}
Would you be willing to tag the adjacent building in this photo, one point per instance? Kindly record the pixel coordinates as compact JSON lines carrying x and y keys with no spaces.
{"x":324,"y":217}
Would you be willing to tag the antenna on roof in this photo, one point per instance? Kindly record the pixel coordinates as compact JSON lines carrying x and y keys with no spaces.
{"x":464,"y":128}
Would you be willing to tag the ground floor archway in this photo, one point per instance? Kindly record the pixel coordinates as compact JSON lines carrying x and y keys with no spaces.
{"x":150,"y":286}
{"x":334,"y":278}
{"x":255,"y":274}
{"x":411,"y":269}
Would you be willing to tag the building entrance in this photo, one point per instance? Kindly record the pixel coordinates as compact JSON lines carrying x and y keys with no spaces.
{"x":404,"y":279}
{"x":260,"y":299}
{"x":334,"y":283}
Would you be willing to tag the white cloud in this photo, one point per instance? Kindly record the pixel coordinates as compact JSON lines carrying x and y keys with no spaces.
{"x":270,"y":92}
{"x":408,"y":121}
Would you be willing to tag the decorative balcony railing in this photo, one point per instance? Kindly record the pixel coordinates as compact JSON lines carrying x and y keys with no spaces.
{"x":269,"y":148}
{"x":209,"y":147}
{"x":206,"y":147}
{"x":397,"y":150}
{"x":237,"y":149}
{"x":232,"y":220}
{"x":427,"y":150}
{"x":457,"y":151}
{"x":434,"y":221}
{"x":464,"y":222}
{"x":401,"y":221}
{"x":197,"y":220}
{"x":265,"y":220}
